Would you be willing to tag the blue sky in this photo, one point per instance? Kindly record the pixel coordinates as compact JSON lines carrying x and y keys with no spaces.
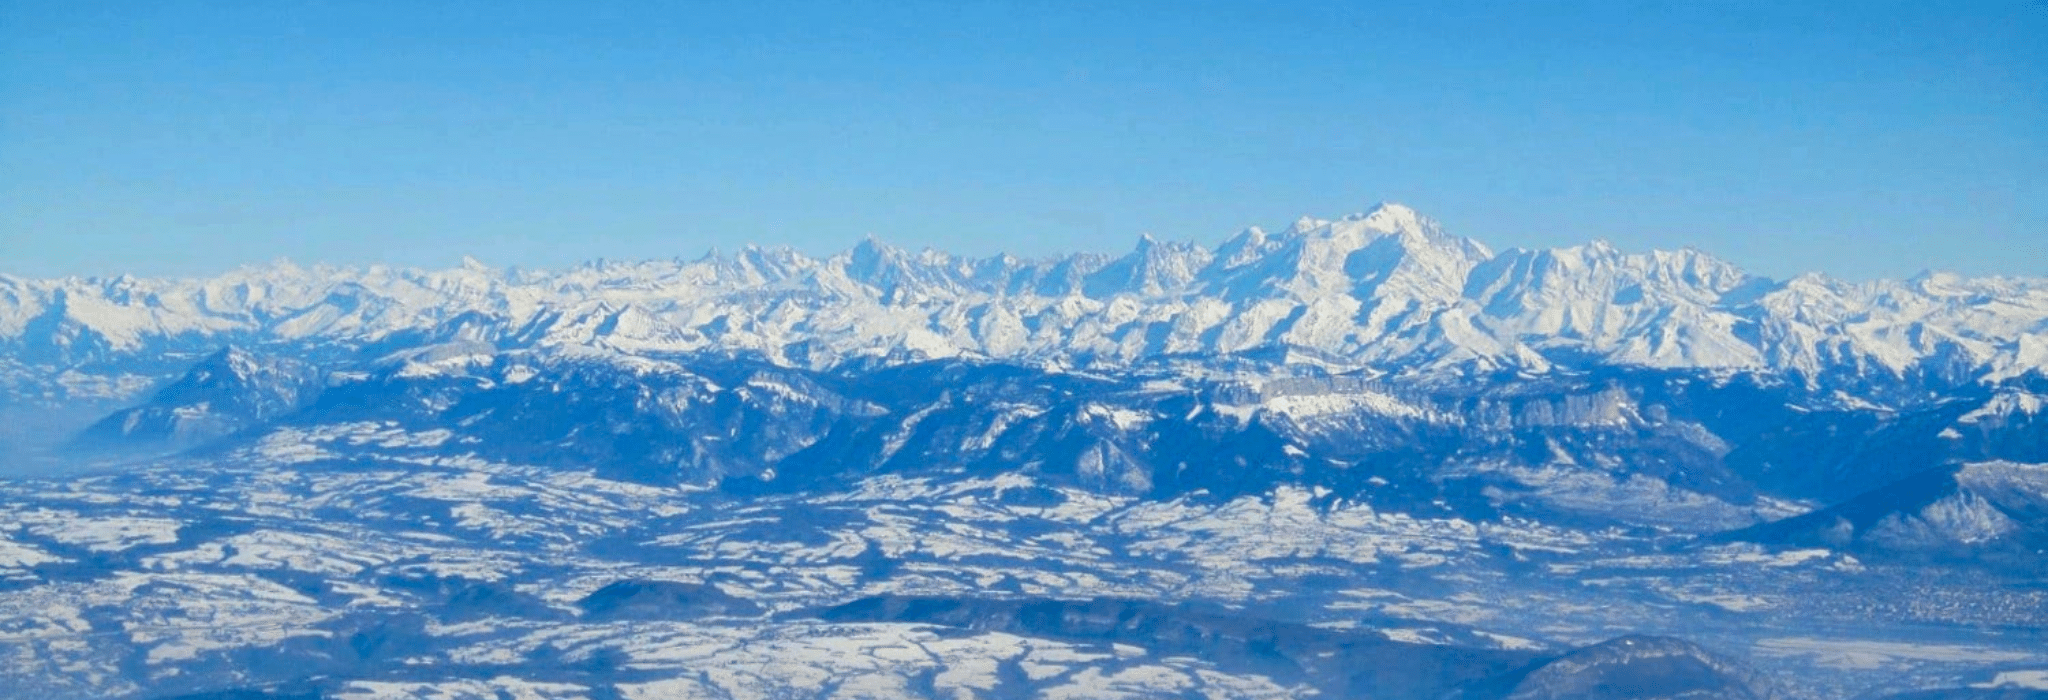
{"x":1863,"y":139}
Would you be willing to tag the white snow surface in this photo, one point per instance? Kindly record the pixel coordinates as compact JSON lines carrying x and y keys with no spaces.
{"x":1384,"y":288}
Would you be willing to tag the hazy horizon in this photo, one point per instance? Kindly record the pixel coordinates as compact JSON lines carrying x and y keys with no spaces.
{"x":827,"y":251}
{"x":185,"y":139}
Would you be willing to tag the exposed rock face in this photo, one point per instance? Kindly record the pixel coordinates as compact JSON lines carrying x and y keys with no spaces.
{"x":1648,"y":447}
{"x":1986,"y":509}
{"x":229,"y":390}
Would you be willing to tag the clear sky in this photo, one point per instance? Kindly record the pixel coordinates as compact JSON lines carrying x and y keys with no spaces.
{"x":1862,"y":138}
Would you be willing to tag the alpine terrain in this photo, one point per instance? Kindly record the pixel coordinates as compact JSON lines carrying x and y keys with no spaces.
{"x":1354,"y":458}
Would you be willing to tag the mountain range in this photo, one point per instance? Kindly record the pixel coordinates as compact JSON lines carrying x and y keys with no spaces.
{"x":1387,"y":291}
{"x":1356,"y":457}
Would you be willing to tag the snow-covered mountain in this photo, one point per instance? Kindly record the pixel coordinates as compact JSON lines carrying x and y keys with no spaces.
{"x":1995,"y":510}
{"x":1354,"y":458}
{"x":1387,"y":290}
{"x":229,"y":390}
{"x":1670,"y":385}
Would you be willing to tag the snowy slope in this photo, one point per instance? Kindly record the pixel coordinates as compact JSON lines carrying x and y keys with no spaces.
{"x":1353,"y":457}
{"x":1984,"y":509}
{"x":1386,"y":288}
{"x":373,"y":561}
{"x":229,"y":390}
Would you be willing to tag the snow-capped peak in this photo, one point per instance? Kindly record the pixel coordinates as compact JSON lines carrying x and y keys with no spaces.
{"x":1387,"y":288}
{"x":1390,"y":217}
